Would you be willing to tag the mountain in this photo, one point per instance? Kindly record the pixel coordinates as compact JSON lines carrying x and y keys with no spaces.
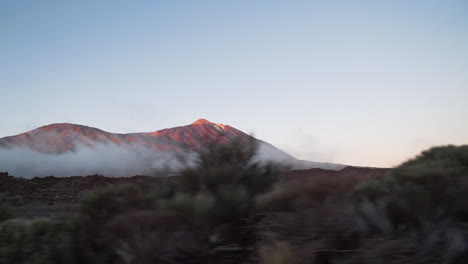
{"x":64,"y":137}
{"x":68,"y":140}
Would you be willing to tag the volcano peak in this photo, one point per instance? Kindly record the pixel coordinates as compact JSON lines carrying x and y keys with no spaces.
{"x":202,"y":121}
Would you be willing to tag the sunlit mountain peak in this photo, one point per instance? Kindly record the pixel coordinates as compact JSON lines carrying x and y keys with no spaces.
{"x":202,"y":121}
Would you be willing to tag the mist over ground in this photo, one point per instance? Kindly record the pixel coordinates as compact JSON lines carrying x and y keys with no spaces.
{"x":120,"y":161}
{"x":105,"y":159}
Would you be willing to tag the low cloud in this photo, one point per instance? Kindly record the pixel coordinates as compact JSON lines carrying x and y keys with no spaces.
{"x":106,"y":159}
{"x":122,"y":161}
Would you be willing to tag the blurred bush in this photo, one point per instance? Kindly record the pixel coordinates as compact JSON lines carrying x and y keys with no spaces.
{"x":207,"y":217}
{"x":36,"y":241}
{"x":5,"y":212}
{"x":230,"y":209}
{"x":7,"y":199}
{"x":417,"y":213}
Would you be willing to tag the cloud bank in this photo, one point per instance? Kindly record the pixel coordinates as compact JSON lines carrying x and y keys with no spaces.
{"x":106,"y":159}
{"x":122,"y":161}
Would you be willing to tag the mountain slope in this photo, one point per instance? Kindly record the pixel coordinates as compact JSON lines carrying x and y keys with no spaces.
{"x":56,"y":143}
{"x":64,"y":137}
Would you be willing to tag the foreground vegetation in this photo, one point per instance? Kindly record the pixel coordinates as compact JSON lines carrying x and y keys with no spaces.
{"x":229,"y":209}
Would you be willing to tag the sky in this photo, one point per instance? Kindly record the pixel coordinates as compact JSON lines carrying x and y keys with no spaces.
{"x":368,"y":83}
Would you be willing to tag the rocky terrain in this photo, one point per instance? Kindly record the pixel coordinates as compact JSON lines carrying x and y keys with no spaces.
{"x":48,"y":196}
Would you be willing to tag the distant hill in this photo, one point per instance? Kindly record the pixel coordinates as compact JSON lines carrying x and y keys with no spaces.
{"x":63,"y":138}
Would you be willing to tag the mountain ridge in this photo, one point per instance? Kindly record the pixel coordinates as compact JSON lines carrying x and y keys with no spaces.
{"x":62,"y":138}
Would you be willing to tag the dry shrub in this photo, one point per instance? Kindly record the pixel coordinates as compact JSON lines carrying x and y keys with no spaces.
{"x":232,"y":210}
{"x":209,"y":217}
{"x":154,"y":237}
{"x":36,"y":241}
{"x":417,"y":213}
{"x":278,"y":252}
{"x":5,"y":212}
{"x":312,"y":192}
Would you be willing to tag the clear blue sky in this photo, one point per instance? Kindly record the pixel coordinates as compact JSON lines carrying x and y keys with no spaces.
{"x":355,"y":82}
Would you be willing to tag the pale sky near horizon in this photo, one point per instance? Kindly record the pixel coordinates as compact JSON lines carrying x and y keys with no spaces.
{"x":368,"y":83}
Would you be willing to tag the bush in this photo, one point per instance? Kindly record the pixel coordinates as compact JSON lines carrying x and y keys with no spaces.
{"x":230,"y":209}
{"x":5,"y":213}
{"x":6,"y":198}
{"x":101,"y":207}
{"x":5,"y":210}
{"x":36,"y":241}
{"x":429,"y":187}
{"x":417,"y":213}
{"x":278,"y":252}
{"x":208,"y":216}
